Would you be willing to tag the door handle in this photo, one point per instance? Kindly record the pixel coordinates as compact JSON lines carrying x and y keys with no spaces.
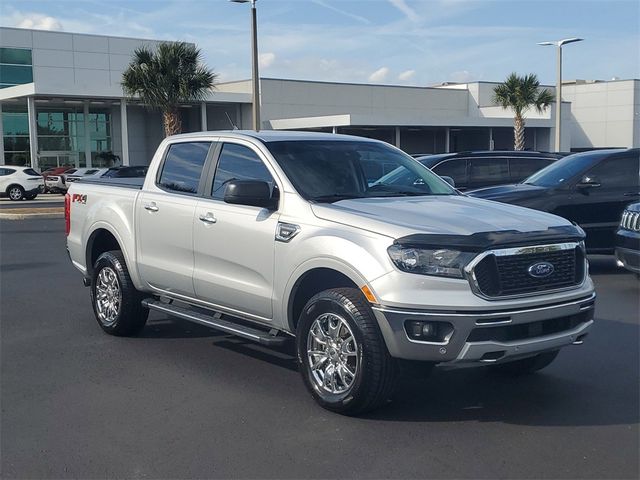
{"x":151,"y":207}
{"x":208,"y":219}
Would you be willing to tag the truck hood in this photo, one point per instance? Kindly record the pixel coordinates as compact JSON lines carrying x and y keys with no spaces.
{"x":444,"y":215}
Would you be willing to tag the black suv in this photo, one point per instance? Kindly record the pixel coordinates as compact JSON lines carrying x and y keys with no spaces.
{"x":470,"y":170}
{"x":126,"y":172}
{"x":628,"y":239}
{"x":589,"y":188}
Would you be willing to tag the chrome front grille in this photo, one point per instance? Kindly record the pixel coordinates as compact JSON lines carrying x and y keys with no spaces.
{"x":630,"y":221}
{"x":512,"y":272}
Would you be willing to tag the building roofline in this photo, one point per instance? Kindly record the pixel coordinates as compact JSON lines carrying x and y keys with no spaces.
{"x":326,"y":82}
{"x":88,"y":34}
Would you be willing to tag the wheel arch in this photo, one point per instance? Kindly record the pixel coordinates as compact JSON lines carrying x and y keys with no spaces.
{"x":312,"y":281}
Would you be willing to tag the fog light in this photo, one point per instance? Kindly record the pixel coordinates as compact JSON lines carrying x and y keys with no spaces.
{"x":428,"y":331}
{"x":422,"y":330}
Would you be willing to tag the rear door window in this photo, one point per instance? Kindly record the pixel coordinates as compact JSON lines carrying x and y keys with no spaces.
{"x":182,"y":167}
{"x":456,"y":169}
{"x":488,"y":171}
{"x":522,"y":168}
{"x":6,"y":171}
{"x":238,"y":162}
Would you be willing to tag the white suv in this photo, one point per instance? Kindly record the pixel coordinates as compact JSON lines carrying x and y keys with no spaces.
{"x":19,"y":183}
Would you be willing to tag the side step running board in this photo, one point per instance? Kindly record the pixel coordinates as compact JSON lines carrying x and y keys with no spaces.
{"x":260,"y":336}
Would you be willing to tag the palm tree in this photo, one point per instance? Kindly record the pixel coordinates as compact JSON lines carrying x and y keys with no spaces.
{"x":166,"y":77}
{"x":520,"y":94}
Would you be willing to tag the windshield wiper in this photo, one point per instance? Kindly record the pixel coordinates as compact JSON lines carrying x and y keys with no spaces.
{"x":335,"y":198}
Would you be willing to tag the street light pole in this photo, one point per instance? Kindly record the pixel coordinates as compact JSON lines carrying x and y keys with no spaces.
{"x":559,"y":45}
{"x":254,"y":64}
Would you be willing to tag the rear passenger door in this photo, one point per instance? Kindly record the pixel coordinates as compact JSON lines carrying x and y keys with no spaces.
{"x":486,"y":172}
{"x":234,"y":245}
{"x":164,"y":218}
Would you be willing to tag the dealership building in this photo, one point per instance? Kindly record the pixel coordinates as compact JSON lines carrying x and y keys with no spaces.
{"x":62,"y":104}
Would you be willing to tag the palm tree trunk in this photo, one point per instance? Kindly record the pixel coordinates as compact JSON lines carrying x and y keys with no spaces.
{"x":518,"y":132}
{"x":172,"y":122}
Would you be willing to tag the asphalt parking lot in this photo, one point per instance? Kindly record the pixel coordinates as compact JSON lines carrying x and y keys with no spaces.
{"x":182,"y":401}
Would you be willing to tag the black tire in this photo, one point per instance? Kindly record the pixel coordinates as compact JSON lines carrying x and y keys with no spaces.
{"x":375,"y":377}
{"x":131,"y":316}
{"x":15,"y":193}
{"x":527,"y":365}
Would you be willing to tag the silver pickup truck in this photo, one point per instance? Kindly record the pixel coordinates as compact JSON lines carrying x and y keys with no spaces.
{"x":278,"y":236}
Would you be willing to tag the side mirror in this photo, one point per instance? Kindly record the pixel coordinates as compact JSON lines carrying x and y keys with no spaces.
{"x":588,"y":182}
{"x":254,"y":193}
{"x":449,"y":180}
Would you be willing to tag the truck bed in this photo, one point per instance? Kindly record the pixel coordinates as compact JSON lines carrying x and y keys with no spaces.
{"x":134,"y":183}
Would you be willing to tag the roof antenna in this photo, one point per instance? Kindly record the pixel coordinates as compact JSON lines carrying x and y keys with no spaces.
{"x":231,"y":121}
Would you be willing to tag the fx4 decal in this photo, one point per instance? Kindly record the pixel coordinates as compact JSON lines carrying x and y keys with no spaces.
{"x":79,"y":198}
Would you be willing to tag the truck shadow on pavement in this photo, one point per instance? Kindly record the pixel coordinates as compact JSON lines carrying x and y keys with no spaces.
{"x":580,"y":389}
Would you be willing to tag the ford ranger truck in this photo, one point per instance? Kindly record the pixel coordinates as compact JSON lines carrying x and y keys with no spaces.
{"x":279,"y":235}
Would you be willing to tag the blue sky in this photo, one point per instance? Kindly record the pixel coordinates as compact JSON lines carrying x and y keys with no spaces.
{"x":412,"y":42}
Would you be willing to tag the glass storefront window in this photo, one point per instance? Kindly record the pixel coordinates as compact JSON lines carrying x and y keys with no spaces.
{"x":15,"y":129}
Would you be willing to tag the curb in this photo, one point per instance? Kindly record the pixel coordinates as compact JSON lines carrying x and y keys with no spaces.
{"x":25,"y":216}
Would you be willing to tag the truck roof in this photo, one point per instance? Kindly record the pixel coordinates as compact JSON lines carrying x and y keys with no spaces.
{"x":275,"y":135}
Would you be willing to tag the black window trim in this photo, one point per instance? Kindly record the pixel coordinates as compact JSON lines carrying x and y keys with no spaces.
{"x":213,"y":144}
{"x":213,"y":166}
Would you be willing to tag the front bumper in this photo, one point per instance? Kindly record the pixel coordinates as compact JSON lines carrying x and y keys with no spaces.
{"x":628,"y":249}
{"x":490,"y":336}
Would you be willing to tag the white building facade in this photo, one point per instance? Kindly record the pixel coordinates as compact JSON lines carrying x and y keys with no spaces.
{"x":62,"y":104}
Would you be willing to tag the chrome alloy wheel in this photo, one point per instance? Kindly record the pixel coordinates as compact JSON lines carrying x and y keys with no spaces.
{"x":108,"y":296}
{"x":333,"y":353}
{"x":15,"y":193}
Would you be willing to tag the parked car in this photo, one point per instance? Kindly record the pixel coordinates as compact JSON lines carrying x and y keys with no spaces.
{"x":472,"y":170}
{"x":126,"y":172}
{"x":590,"y":188}
{"x":79,"y":173}
{"x":279,"y":235}
{"x":20,"y":183}
{"x":54,"y":180}
{"x":628,"y":239}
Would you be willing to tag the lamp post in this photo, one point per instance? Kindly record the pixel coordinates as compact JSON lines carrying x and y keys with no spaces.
{"x":559,"y":45}
{"x":254,"y":63}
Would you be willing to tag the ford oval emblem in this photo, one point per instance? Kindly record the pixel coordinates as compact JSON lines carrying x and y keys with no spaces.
{"x":541,"y":269}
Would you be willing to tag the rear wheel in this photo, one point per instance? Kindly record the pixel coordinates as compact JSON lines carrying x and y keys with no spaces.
{"x":116,"y":302}
{"x":342,"y":356}
{"x":527,"y":365}
{"x":15,"y":192}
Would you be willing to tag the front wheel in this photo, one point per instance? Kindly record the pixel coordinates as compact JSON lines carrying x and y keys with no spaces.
{"x":116,"y":302}
{"x":342,"y":356}
{"x":16,"y":193}
{"x":527,"y":365}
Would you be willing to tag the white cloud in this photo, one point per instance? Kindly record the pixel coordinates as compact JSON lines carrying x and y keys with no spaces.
{"x":379,"y":75}
{"x":38,"y":21}
{"x":407,"y":75}
{"x":408,"y":12}
{"x":266,"y":59}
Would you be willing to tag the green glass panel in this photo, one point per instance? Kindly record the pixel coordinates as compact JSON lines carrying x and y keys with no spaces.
{"x":15,"y":123}
{"x":16,"y":74}
{"x":17,"y":158}
{"x":15,"y":56}
{"x":12,"y":143}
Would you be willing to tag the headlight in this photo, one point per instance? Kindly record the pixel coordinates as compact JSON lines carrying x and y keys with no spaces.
{"x":440,"y":262}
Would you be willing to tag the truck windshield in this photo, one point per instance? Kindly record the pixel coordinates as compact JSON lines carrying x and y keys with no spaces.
{"x":328,"y":171}
{"x":564,"y":169}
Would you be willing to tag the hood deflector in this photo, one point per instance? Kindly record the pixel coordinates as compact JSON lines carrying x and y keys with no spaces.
{"x":481,"y":241}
